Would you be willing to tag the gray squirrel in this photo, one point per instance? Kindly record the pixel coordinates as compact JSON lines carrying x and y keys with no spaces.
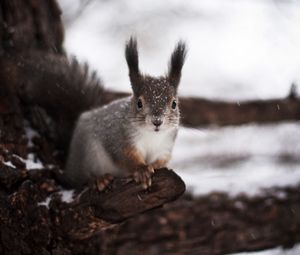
{"x":133,"y":135}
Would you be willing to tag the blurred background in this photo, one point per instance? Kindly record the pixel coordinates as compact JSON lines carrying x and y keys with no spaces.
{"x":238,"y":50}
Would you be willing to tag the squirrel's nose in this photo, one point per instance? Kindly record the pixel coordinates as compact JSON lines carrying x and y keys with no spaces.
{"x":157,"y":122}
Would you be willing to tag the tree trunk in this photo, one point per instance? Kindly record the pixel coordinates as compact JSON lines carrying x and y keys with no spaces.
{"x":30,"y":24}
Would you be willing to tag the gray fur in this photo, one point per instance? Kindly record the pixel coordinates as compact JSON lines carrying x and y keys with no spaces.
{"x":97,"y":138}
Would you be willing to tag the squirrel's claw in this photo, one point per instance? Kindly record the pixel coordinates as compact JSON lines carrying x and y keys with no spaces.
{"x":103,"y":181}
{"x":143,"y":176}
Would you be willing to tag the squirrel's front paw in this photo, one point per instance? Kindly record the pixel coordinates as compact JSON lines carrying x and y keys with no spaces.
{"x":103,"y":181}
{"x":143,"y":175}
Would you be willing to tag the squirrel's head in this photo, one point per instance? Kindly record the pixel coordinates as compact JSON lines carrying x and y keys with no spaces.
{"x":155,"y":100}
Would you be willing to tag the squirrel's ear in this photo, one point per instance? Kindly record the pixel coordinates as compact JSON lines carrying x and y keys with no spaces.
{"x":132,"y":58}
{"x":176,"y":63}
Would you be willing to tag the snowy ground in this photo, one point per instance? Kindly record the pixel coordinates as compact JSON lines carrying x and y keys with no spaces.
{"x":277,"y":251}
{"x":237,"y":50}
{"x":239,"y":159}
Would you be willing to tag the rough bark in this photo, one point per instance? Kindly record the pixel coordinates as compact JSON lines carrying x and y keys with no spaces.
{"x":214,"y":224}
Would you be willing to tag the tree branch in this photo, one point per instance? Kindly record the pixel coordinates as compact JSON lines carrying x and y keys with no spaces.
{"x":198,"y":112}
{"x":93,"y":210}
{"x":214,"y":224}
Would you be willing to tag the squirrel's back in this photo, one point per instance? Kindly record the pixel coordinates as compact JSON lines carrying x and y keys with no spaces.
{"x":101,"y":135}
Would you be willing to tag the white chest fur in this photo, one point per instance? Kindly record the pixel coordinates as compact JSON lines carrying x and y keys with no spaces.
{"x":154,"y":145}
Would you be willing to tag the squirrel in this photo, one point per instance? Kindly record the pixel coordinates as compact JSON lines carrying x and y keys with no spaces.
{"x":132,"y":135}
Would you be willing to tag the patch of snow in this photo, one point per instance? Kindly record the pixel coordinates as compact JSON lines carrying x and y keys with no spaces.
{"x":30,"y":133}
{"x":32,"y":162}
{"x":67,"y":195}
{"x":8,"y":163}
{"x":45,"y":203}
{"x":277,"y":251}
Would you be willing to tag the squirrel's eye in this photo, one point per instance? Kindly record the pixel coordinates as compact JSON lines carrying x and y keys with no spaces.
{"x":139,"y":104}
{"x":174,"y":104}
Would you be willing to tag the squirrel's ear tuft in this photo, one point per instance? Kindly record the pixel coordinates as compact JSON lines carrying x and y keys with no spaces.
{"x":132,"y":58}
{"x":176,"y":63}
